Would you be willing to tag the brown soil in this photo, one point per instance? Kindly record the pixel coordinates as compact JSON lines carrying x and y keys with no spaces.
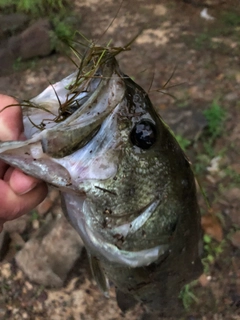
{"x":205,"y":55}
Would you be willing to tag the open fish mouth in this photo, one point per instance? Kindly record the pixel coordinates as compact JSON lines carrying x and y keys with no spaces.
{"x":51,"y":152}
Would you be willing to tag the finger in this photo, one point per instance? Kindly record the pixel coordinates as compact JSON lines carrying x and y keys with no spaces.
{"x":19,"y":181}
{"x":13,"y":206}
{"x":11,"y":124}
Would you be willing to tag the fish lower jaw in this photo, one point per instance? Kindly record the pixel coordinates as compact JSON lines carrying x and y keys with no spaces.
{"x":102,"y":247}
{"x":81,"y":215}
{"x":133,"y":259}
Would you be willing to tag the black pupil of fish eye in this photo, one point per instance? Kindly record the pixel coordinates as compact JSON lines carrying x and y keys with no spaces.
{"x":143,"y":135}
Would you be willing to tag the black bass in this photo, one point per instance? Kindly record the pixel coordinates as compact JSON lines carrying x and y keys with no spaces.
{"x":126,"y":185}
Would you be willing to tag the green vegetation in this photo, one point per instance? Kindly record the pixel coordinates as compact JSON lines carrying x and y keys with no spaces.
{"x":33,"y":7}
{"x":200,"y":164}
{"x":231,"y":19}
{"x":203,"y":40}
{"x":212,"y":250}
{"x":233,"y":176}
{"x":19,"y":64}
{"x":4,"y":287}
{"x":62,"y":34}
{"x":187,"y":296}
{"x":34,"y":215}
{"x":62,"y":28}
{"x":215,"y":116}
{"x":58,"y":12}
{"x":183,"y":142}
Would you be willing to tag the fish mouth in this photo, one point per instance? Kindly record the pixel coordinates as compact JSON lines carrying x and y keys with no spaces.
{"x":54,"y":150}
{"x":99,"y":246}
{"x":70,"y":113}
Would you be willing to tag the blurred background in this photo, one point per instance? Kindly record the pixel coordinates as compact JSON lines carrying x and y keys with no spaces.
{"x":187,"y":57}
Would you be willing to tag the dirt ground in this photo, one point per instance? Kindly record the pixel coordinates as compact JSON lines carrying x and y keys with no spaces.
{"x":204,"y":54}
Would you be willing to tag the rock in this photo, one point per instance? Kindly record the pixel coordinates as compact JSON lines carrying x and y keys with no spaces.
{"x":47,"y":258}
{"x":16,"y":243}
{"x":18,"y":225}
{"x":10,"y":238}
{"x":33,"y":42}
{"x":6,"y":60}
{"x":36,"y":40}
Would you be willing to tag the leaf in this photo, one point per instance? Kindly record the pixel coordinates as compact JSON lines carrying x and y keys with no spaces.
{"x":212,"y":226}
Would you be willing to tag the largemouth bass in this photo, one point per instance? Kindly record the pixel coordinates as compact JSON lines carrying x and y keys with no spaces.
{"x":126,"y":185}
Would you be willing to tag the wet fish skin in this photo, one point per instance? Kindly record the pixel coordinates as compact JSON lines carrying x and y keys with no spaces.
{"x":126,"y":185}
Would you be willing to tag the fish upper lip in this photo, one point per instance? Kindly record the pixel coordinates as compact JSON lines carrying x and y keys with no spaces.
{"x":74,"y":129}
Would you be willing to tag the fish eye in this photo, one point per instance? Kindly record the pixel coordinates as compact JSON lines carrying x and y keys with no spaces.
{"x":143,"y":135}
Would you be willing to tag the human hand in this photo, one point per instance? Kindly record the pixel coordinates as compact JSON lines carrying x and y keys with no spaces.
{"x":19,"y":193}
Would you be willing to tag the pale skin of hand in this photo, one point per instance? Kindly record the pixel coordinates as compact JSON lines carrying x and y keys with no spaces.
{"x":19,"y":193}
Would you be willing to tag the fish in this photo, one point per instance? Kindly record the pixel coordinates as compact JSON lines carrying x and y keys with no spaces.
{"x":126,"y":185}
